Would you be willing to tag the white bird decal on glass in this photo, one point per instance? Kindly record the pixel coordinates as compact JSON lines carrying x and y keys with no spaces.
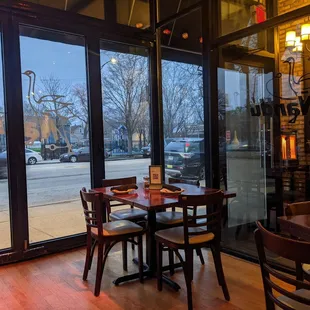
{"x":45,"y":98}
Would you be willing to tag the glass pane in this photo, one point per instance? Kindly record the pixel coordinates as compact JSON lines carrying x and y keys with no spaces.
{"x":135,"y":13}
{"x":183,"y":111}
{"x":264,"y":129}
{"x":126,"y":110}
{"x":92,"y":8}
{"x":5,"y":228}
{"x":240,"y":14}
{"x":56,"y":128}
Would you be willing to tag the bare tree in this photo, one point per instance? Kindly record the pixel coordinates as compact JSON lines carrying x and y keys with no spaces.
{"x":180,"y":97}
{"x":80,"y":107}
{"x":124,"y":88}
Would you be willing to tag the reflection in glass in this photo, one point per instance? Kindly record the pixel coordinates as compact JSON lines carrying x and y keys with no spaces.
{"x":5,"y":231}
{"x":56,"y":130}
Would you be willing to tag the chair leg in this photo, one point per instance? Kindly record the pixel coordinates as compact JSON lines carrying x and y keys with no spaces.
{"x":159,"y":266}
{"x":199,"y":253}
{"x":124,"y":248}
{"x":92,"y":253}
{"x":99,"y":269}
{"x":171,"y":261}
{"x":299,"y":274}
{"x":88,"y":256}
{"x":140,"y":258}
{"x":219,"y":270}
{"x":188,"y":274}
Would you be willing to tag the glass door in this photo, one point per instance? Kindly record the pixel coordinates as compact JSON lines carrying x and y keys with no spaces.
{"x":56,"y":127}
{"x":246,"y":150}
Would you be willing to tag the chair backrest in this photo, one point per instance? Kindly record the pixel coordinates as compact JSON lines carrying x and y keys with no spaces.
{"x":92,"y":203}
{"x":298,"y":208}
{"x":297,"y":251}
{"x":116,"y":182}
{"x":122,"y":181}
{"x":184,"y":181}
{"x":206,"y":223}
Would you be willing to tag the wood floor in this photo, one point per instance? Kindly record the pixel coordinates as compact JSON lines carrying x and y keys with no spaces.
{"x":55,"y":282}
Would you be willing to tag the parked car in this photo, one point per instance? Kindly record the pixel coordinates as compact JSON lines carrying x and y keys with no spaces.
{"x":31,"y":158}
{"x":146,"y":151}
{"x":82,"y":154}
{"x":185,"y":158}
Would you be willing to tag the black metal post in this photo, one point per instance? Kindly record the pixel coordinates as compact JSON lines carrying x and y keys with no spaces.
{"x":96,"y":132}
{"x":210,"y":29}
{"x":15,"y":136}
{"x":157,"y":130}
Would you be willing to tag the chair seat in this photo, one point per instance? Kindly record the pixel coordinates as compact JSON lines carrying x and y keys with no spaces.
{"x":127,"y":214}
{"x":176,"y":235}
{"x":169,"y":218}
{"x":306,"y":268}
{"x":293,"y":303}
{"x":117,"y":228}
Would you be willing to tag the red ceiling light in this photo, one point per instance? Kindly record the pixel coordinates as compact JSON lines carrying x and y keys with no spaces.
{"x":185,"y":35}
{"x":167,"y":31}
{"x":139,"y":25}
{"x":201,"y":40}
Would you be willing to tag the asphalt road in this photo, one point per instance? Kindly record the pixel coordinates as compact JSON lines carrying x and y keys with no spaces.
{"x":60,"y":182}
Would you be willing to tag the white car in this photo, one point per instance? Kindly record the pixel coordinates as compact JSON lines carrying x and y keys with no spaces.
{"x":32,"y":157}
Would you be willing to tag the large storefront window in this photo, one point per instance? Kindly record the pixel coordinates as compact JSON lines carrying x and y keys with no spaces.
{"x":182,"y":97}
{"x":56,"y":131}
{"x":126,"y":110}
{"x":264,"y":128}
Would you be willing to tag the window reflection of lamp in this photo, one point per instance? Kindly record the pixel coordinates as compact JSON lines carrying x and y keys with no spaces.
{"x":290,"y":38}
{"x":298,"y":45}
{"x":293,"y":154}
{"x":283,"y":143}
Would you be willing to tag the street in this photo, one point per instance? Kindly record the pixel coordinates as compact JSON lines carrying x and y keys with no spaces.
{"x":61,"y":182}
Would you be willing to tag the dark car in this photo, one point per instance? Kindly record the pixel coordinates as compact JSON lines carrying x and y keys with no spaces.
{"x":185,"y":158}
{"x":82,"y":154}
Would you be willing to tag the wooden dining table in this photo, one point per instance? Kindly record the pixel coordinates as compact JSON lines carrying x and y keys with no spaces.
{"x":296,"y":225}
{"x":153,"y":201}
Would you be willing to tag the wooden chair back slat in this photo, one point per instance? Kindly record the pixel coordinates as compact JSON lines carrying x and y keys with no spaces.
{"x":92,"y":203}
{"x":214,"y":202}
{"x":121,"y":181}
{"x":298,"y":208}
{"x":184,"y":181}
{"x":297,"y":251}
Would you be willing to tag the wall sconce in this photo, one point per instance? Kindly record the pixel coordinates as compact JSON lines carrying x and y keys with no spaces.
{"x":298,"y":45}
{"x":305,"y":32}
{"x":295,"y":42}
{"x":290,"y":39}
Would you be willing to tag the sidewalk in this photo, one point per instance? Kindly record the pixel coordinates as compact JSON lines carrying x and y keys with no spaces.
{"x":48,"y":222}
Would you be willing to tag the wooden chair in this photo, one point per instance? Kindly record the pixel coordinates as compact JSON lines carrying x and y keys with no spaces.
{"x":300,"y":208}
{"x":194,"y":234}
{"x":295,"y":250}
{"x":106,"y":235}
{"x":130,"y":214}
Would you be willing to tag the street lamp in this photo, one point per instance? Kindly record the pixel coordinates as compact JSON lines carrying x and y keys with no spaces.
{"x":113,"y":61}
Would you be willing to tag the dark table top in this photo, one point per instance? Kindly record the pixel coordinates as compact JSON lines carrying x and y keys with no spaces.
{"x":296,"y":225}
{"x":152,"y":199}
